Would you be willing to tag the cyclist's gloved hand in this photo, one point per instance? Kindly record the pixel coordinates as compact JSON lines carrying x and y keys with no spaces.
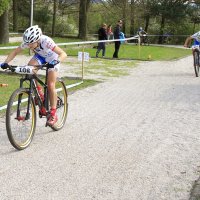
{"x":4,"y":65}
{"x":53,"y":63}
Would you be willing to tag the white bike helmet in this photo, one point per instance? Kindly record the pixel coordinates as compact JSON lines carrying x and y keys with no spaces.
{"x":32,"y":34}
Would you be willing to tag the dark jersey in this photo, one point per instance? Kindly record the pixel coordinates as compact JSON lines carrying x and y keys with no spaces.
{"x":102,"y":34}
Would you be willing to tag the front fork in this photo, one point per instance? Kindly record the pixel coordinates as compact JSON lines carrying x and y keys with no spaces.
{"x":20,"y":101}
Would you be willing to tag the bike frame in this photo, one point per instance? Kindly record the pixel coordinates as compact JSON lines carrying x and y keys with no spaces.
{"x":33,"y":89}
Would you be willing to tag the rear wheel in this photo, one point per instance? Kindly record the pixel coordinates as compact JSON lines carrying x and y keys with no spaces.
{"x":196,"y":62}
{"x":20,"y":123}
{"x":62,"y":105}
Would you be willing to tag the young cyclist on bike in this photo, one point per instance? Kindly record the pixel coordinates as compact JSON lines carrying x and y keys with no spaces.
{"x":46,"y":51}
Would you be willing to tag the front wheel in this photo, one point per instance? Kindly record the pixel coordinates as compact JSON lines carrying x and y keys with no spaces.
{"x":62,"y":105}
{"x":196,"y":62}
{"x":20,"y":121}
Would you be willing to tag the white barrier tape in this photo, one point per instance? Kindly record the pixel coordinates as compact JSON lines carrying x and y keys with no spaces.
{"x":11,"y":47}
{"x":168,"y":35}
{"x":15,"y":103}
{"x":73,"y":85}
{"x":58,"y":90}
{"x":3,"y":107}
{"x":97,"y":41}
{"x":81,"y":43}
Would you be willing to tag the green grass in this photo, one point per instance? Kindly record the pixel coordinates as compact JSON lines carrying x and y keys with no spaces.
{"x":65,"y":40}
{"x":109,"y":68}
{"x":13,"y":83}
{"x":128,"y":51}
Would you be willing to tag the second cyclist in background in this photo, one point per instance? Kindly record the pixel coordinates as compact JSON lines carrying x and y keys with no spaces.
{"x":45,"y":51}
{"x":143,"y":35}
{"x":195,"y":50}
{"x":196,"y":38}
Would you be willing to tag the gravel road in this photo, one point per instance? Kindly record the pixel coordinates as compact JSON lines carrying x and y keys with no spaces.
{"x":130,"y":138}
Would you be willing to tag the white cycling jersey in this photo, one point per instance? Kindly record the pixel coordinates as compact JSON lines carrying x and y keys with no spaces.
{"x":196,"y":36}
{"x":45,"y":48}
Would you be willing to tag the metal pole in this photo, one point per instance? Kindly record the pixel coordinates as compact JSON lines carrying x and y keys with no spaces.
{"x":139,"y":47}
{"x":31,"y":21}
{"x":82,"y":61}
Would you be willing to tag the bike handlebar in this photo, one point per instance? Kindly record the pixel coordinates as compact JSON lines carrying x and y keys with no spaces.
{"x":29,"y":69}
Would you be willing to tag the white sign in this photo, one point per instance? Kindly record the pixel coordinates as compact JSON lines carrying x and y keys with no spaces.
{"x":83,"y":56}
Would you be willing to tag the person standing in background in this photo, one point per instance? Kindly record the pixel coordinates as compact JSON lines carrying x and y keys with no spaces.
{"x":117,"y":31}
{"x":102,"y":35}
{"x":109,"y":32}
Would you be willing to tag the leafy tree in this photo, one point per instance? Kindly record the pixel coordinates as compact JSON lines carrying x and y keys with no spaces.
{"x":193,"y":9}
{"x":167,"y":10}
{"x":54,"y":17}
{"x":23,"y":14}
{"x":132,"y":17}
{"x":42,"y":17}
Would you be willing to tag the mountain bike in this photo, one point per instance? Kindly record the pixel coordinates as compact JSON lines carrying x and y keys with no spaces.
{"x":21,"y":107}
{"x":196,"y":60}
{"x":144,"y":39}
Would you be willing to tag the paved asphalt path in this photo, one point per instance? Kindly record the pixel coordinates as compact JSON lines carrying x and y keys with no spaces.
{"x":130,"y":138}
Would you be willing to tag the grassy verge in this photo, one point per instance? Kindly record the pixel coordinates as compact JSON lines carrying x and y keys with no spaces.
{"x":128,"y":51}
{"x":100,"y":69}
{"x":13,"y":83}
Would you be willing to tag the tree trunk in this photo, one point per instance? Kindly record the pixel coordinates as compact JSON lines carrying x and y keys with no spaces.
{"x":124,"y":11}
{"x":4,"y":30}
{"x":160,"y":39}
{"x":132,"y":22}
{"x":147,"y":19}
{"x":54,"y":17}
{"x":15,"y":16}
{"x":83,"y":9}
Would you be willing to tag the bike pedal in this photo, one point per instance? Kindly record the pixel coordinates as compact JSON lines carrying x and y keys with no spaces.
{"x":42,"y":112}
{"x":20,"y":118}
{"x":42,"y":116}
